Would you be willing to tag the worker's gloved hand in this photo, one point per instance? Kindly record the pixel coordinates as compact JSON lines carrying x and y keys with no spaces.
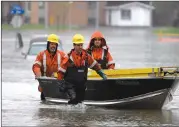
{"x":54,"y":75}
{"x":102,"y":74}
{"x":62,"y":86}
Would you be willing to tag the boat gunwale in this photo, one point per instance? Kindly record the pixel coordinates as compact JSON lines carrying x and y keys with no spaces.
{"x":120,"y":78}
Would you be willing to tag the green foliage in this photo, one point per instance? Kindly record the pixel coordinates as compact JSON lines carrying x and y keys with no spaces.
{"x":167,"y":30}
{"x":36,"y":27}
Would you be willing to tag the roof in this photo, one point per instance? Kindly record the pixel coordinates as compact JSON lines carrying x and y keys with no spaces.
{"x":40,"y":35}
{"x":127,"y":5}
{"x":37,"y":43}
{"x":38,"y":39}
{"x":117,"y":3}
{"x":42,"y":39}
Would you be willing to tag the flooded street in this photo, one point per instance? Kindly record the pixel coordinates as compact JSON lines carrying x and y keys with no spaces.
{"x":130,"y":48}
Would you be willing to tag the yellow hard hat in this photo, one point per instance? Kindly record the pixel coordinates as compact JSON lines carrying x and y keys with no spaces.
{"x":53,"y":38}
{"x":78,"y":38}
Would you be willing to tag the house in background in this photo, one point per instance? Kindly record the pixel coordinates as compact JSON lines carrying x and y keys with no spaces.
{"x":129,"y":14}
{"x":83,"y":13}
{"x":77,"y":13}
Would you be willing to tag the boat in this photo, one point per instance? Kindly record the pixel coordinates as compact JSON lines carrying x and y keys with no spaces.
{"x":133,"y":88}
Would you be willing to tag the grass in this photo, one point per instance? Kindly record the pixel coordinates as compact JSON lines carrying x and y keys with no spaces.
{"x":167,"y":30}
{"x":36,"y":27}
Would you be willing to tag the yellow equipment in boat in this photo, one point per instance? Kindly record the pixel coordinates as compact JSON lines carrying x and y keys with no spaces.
{"x":159,"y":72}
{"x":136,"y":73}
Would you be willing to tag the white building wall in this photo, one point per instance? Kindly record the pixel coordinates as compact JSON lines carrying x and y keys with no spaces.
{"x":143,"y":17}
{"x":148,"y":17}
{"x":115,"y":17}
{"x":139,"y":17}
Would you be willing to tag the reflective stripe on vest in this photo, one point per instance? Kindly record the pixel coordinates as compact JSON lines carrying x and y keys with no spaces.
{"x":110,"y":62}
{"x":102,"y":57}
{"x":44,"y":63}
{"x":92,"y":65}
{"x":71,"y":58}
{"x":58,"y":59}
{"x":38,"y":62}
{"x":45,"y":60}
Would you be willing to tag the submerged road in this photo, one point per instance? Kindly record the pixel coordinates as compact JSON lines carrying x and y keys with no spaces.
{"x":130,"y":48}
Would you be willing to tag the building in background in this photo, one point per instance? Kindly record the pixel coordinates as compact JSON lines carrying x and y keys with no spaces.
{"x":64,"y":13}
{"x":129,"y":14}
{"x":58,"y":13}
{"x":166,"y":13}
{"x":83,"y":13}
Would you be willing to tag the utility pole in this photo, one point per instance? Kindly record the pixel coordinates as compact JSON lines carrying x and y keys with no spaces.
{"x":97,"y":15}
{"x":46,"y":15}
{"x":70,"y":14}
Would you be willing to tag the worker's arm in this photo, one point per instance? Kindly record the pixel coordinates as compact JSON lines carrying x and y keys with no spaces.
{"x":95,"y":66}
{"x":111,"y":63}
{"x":36,"y":68}
{"x":62,"y":69}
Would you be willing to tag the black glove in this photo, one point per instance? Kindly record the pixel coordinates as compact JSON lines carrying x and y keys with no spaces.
{"x":62,"y":86}
{"x":102,"y":74}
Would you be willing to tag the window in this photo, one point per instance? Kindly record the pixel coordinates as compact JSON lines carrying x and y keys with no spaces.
{"x":125,"y":14}
{"x":91,"y":21}
{"x":41,"y":20}
{"x":92,"y":4}
{"x":41,"y":4}
{"x":29,"y":6}
{"x":109,"y":17}
{"x":36,"y":48}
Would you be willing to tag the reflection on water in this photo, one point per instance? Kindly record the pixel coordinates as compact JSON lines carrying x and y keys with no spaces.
{"x":92,"y":116}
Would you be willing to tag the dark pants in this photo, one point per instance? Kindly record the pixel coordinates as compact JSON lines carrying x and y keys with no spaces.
{"x":76,"y":92}
{"x":42,"y":96}
{"x":80,"y":92}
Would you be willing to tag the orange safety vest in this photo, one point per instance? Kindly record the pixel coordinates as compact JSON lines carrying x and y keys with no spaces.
{"x":47,"y":64}
{"x":78,"y":60}
{"x":101,"y":54}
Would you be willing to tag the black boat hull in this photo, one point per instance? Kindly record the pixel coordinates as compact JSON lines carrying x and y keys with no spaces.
{"x":153,"y":100}
{"x":149,"y":93}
